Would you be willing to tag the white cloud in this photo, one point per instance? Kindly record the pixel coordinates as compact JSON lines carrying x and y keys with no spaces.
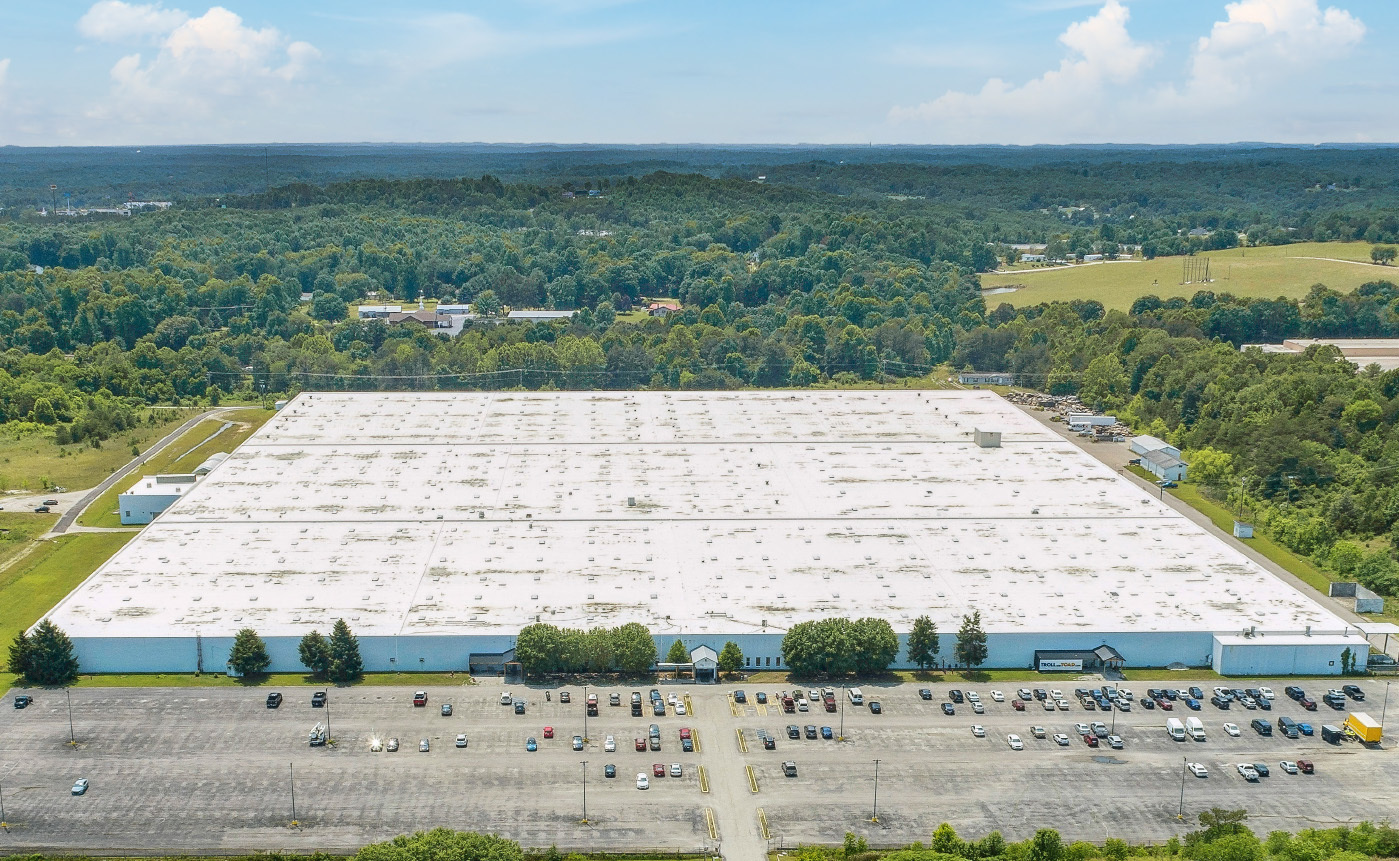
{"x":1264,"y":40}
{"x":4,"y":69}
{"x":1101,"y":54}
{"x":212,"y":66}
{"x":115,"y":21}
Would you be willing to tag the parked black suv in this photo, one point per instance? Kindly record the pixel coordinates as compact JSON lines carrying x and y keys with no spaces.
{"x":955,"y":696}
{"x":318,"y":699}
{"x":1219,"y":702}
{"x":274,"y":700}
{"x":794,"y":731}
{"x":1261,"y":726}
{"x":1294,"y":692}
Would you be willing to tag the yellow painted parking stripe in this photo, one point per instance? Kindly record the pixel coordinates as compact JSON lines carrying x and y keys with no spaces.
{"x":763,"y":825}
{"x":689,"y":706}
{"x":752,"y":778}
{"x":704,"y":787}
{"x":762,"y":710}
{"x":713,"y":827}
{"x":694,"y":737}
{"x":742,"y":743}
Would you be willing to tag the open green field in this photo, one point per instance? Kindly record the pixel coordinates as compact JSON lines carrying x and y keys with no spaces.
{"x":17,"y":529}
{"x":184,"y":454}
{"x":35,"y":462}
{"x":30,"y":586}
{"x":1268,"y":272}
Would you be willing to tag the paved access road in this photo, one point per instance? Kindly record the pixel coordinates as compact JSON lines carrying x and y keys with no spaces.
{"x":190,"y":769}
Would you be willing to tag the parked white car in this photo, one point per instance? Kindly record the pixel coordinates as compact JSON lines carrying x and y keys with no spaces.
{"x":1198,"y":769}
{"x":1014,"y":741}
{"x":1232,"y":729}
{"x":609,"y":744}
{"x":998,"y":696}
{"x":978,"y":730}
{"x":1288,"y":766}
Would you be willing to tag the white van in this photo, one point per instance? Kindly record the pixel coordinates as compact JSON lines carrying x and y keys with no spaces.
{"x":857,"y":698}
{"x":1175,"y":729}
{"x":1196,"y":728}
{"x":506,"y":699}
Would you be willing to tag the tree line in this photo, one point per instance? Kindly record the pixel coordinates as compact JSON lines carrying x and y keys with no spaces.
{"x":1304,"y":446}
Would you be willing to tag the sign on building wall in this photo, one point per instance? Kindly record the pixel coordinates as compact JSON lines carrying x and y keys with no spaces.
{"x":1060,"y":666}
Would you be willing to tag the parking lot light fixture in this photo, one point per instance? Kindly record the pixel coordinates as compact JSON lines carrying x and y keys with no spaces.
{"x":72,"y":736}
{"x":1180,"y":814}
{"x":3,"y":824}
{"x":874,"y":817}
{"x":584,"y":763}
{"x":291,"y":769}
{"x":585,"y":724}
{"x":1386,"y":703}
{"x":843,"y":697}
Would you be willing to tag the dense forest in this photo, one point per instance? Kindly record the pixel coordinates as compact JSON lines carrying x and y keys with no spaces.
{"x":838,"y":268}
{"x":1308,"y":445}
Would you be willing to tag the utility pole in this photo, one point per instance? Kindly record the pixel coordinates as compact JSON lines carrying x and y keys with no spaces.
{"x":72,"y":736}
{"x":584,"y":763}
{"x":875,"y":816}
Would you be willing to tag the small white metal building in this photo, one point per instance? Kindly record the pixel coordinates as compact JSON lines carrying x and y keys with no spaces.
{"x":1164,"y":465}
{"x":1145,"y":443}
{"x":378,"y":312}
{"x":152,"y":495}
{"x":985,"y":379}
{"x":1286,"y":654}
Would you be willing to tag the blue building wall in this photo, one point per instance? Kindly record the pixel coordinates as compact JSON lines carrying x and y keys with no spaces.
{"x":448,"y":652}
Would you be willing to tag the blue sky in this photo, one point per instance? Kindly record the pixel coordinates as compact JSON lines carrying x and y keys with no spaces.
{"x":614,"y":71}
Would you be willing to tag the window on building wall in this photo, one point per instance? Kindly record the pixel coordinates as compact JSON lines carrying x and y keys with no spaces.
{"x":779,"y":661}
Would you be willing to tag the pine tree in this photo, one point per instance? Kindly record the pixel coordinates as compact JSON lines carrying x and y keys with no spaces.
{"x":923,"y":642}
{"x":315,"y":654}
{"x":20,"y":651}
{"x":678,"y":654}
{"x":345,"y":662}
{"x":971,"y":641}
{"x":50,"y":657}
{"x":249,"y":654}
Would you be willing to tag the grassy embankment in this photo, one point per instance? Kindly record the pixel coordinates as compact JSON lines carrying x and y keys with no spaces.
{"x":34,"y":462}
{"x":1267,"y":272}
{"x":184,"y":454}
{"x":30,"y":586}
{"x":1299,"y":566}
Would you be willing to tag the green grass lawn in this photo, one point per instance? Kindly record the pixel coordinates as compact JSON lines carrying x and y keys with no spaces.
{"x":1269,"y":272}
{"x":182,"y":455}
{"x":35,"y":462}
{"x":31,"y":587}
{"x":17,"y":529}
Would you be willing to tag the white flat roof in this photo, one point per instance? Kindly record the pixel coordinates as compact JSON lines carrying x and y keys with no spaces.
{"x":473,"y":513}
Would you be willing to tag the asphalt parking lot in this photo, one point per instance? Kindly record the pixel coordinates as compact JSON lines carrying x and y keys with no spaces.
{"x":214,"y":769}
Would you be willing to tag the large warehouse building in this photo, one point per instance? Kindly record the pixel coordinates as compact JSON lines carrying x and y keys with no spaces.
{"x":438,"y":525}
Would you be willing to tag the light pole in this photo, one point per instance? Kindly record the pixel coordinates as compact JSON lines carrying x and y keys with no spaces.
{"x":585,"y":790}
{"x":328,"y":739}
{"x":843,"y":697}
{"x":3,"y":824}
{"x":1180,"y":814}
{"x":292,"y":769}
{"x":585,"y":726}
{"x":1386,"y":703}
{"x":72,"y":736}
{"x":875,"y":816}
{"x":1113,"y":731}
